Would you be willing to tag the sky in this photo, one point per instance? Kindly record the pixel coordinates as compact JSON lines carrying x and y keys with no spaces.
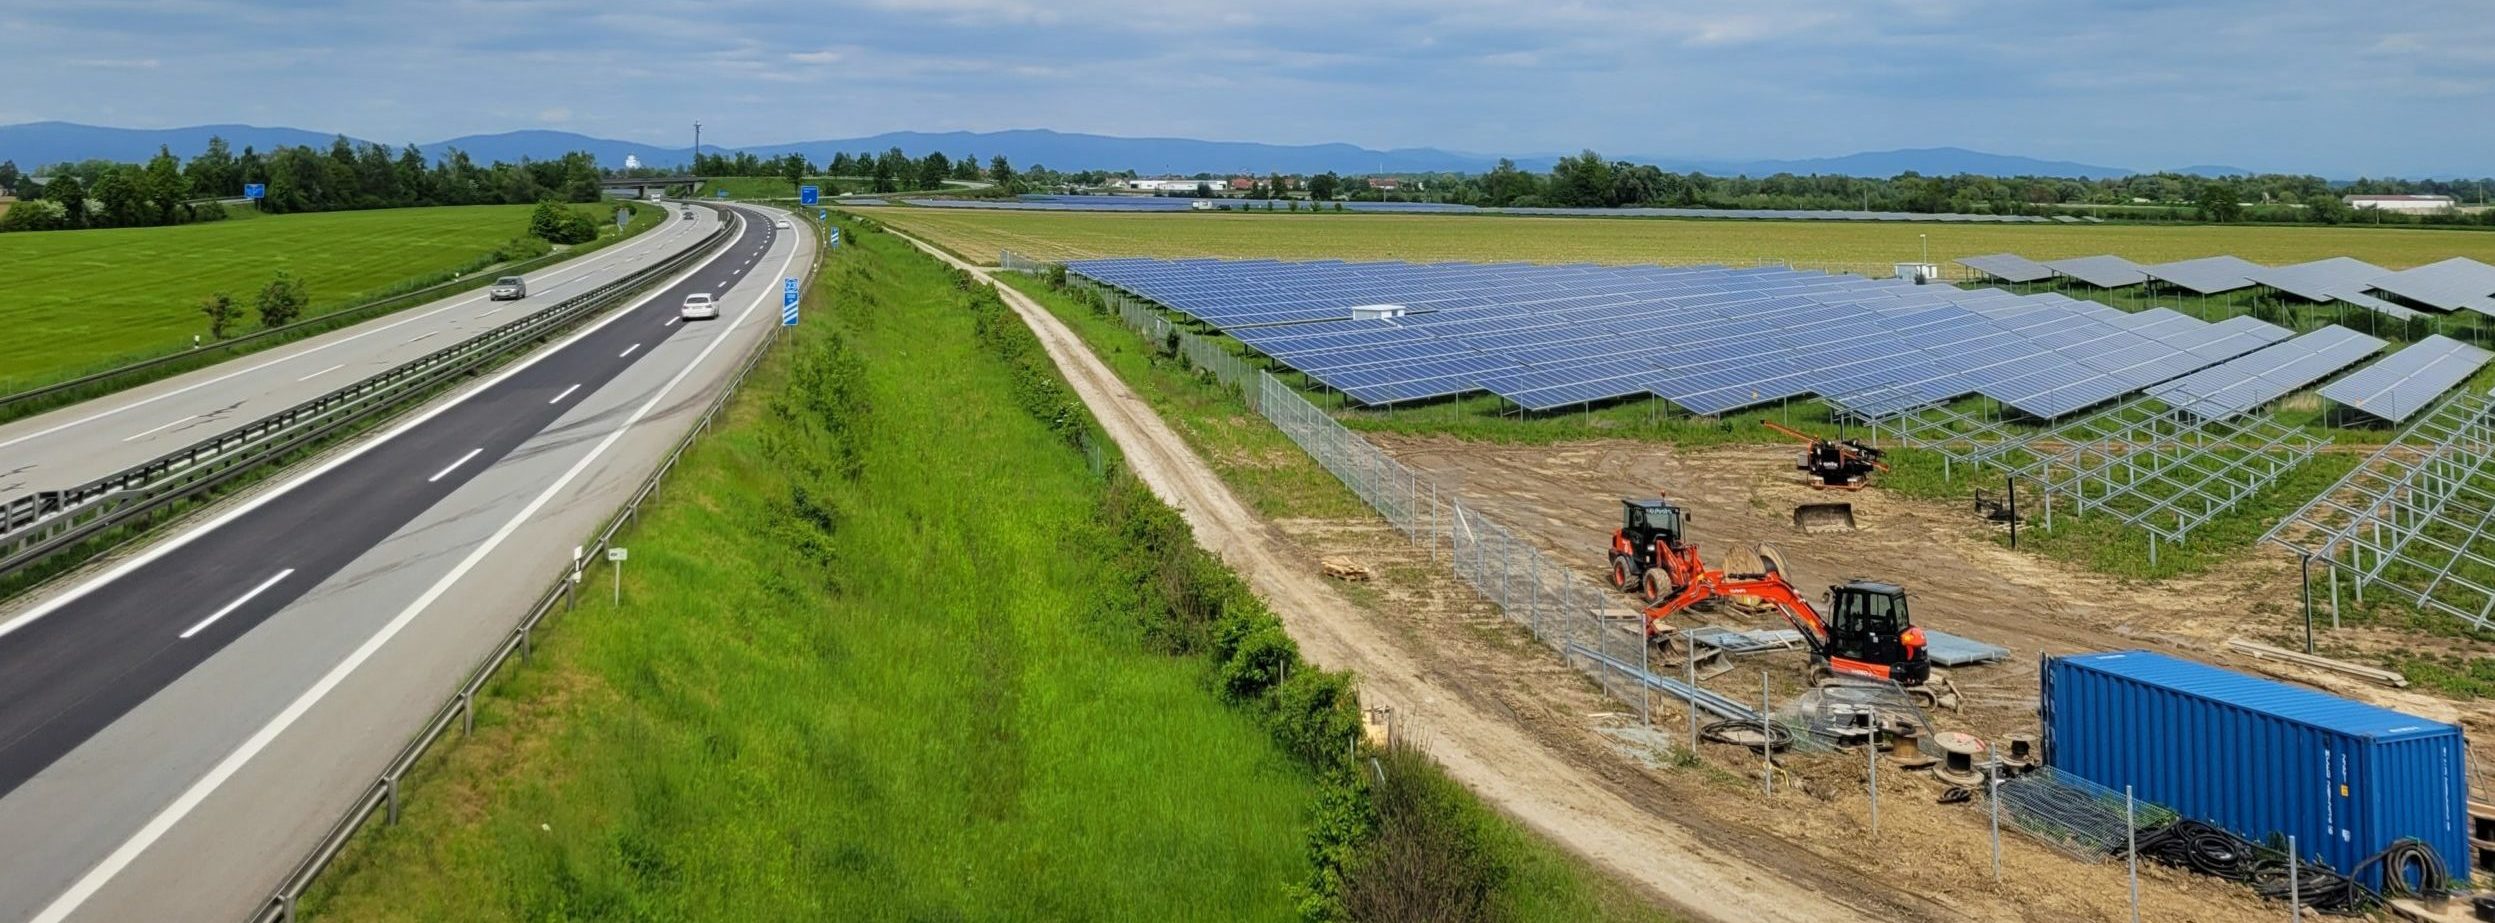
{"x":2308,"y":86}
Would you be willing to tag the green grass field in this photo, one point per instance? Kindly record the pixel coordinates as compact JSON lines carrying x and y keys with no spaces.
{"x":1865,"y":247}
{"x":82,"y":299}
{"x":772,"y":187}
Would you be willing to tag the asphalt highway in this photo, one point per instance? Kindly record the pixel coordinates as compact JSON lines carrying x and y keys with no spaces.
{"x":87,"y":440}
{"x":177,"y":728}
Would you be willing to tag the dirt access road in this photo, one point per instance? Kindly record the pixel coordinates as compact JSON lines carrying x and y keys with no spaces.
{"x":1518,"y":727}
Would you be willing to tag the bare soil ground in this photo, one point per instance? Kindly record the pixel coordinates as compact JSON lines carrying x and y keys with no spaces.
{"x":1534,"y":737}
{"x":1566,"y":498}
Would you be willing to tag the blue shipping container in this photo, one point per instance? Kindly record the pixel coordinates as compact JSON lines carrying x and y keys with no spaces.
{"x":2260,"y":757}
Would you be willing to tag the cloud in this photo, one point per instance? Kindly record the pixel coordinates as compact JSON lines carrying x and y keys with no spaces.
{"x":2305,"y":84}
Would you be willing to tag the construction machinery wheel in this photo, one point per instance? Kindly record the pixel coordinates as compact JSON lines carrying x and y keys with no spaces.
{"x":1772,"y":561}
{"x":1657,"y":585}
{"x":1623,"y":575}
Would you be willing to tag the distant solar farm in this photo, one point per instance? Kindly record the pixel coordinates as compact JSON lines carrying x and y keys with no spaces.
{"x":1132,"y":203}
{"x":1714,"y":340}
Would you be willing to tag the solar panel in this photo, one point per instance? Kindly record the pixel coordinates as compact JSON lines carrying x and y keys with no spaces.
{"x":2455,"y":284}
{"x":2405,"y":382}
{"x":2267,"y":374}
{"x":2320,"y":280}
{"x":2008,"y":267}
{"x":2207,"y":275}
{"x":2100,"y":271}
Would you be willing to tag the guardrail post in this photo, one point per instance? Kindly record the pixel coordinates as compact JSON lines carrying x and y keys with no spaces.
{"x":467,"y":713}
{"x":390,"y":792}
{"x":524,"y":641}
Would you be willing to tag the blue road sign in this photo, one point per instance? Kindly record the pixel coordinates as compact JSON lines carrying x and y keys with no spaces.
{"x":835,"y":238}
{"x":719,"y":193}
{"x":822,"y":214}
{"x":255,"y":190}
{"x":788,"y":302}
{"x":808,"y":195}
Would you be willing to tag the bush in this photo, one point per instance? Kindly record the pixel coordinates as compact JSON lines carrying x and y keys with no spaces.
{"x":222,"y":313}
{"x":1425,"y":858}
{"x":282,"y":300}
{"x":555,"y":223}
{"x":35,"y":215}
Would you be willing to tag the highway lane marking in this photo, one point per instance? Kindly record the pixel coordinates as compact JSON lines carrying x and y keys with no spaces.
{"x":628,"y":350}
{"x":454,"y":466}
{"x":322,"y":372}
{"x":567,"y":392}
{"x":190,"y":799}
{"x":238,"y":602}
{"x":160,"y":428}
{"x":177,"y":541}
{"x":425,"y":337}
{"x":672,"y":321}
{"x":591,"y":262}
{"x":489,"y":313}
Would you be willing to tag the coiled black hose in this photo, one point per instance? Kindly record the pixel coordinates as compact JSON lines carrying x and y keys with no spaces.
{"x":1744,"y":732}
{"x":2211,"y":850}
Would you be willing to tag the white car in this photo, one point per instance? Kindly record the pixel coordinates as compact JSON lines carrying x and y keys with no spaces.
{"x":699,"y":306}
{"x":783,"y":222}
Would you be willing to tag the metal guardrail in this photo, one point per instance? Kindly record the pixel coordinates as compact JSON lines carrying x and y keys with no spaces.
{"x":351,"y":314}
{"x":460,"y":710}
{"x":39,"y":525}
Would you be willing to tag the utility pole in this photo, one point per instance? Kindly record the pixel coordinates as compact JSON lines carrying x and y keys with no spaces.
{"x":697,"y":145}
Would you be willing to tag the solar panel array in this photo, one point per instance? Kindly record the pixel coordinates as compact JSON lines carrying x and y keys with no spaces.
{"x":2338,"y":278}
{"x":1139,"y":203}
{"x":2406,"y":381}
{"x":2455,"y":284}
{"x":1709,"y":339}
{"x":2208,"y":275}
{"x":2008,"y":267}
{"x":2100,"y":271}
{"x":2266,"y":374}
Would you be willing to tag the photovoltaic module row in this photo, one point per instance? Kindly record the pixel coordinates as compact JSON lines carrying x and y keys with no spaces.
{"x":2405,"y":382}
{"x":1144,"y":203}
{"x":1710,"y":339}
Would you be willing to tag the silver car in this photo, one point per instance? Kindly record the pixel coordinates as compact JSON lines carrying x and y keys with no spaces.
{"x":509,"y":288}
{"x":699,"y":306}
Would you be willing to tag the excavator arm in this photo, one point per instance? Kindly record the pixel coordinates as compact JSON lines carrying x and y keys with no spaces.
{"x":1715,"y":584}
{"x":1847,"y":449}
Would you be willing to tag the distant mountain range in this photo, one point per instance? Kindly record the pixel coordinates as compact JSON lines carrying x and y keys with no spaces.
{"x":35,"y":143}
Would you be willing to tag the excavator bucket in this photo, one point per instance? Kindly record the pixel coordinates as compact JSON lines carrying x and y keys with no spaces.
{"x":1815,"y":518}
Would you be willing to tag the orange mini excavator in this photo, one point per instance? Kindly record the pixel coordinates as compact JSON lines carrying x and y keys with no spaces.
{"x":1651,"y":555}
{"x":1866,"y":633}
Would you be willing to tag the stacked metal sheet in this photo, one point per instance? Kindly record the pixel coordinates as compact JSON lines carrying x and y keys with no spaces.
{"x":2406,"y":381}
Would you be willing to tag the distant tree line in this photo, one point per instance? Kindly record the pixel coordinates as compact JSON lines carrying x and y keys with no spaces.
{"x":166,"y":190}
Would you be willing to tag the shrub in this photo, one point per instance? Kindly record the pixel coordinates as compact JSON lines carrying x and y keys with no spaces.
{"x":282,"y":300}
{"x":222,"y":313}
{"x":555,"y":223}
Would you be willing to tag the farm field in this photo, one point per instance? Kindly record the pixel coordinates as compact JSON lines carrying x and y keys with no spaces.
{"x":979,"y":235}
{"x":81,"y":299}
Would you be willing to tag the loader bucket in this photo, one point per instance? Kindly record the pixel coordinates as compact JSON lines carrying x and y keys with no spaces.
{"x":1824,"y":517}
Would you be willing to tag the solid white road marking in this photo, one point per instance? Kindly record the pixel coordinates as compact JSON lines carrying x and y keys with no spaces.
{"x":628,"y":350}
{"x":121,"y":857}
{"x":160,"y":428}
{"x":567,"y":392}
{"x":591,"y":262}
{"x":322,"y":372}
{"x":170,"y":545}
{"x":427,"y":336}
{"x":238,"y":603}
{"x":453,"y":466}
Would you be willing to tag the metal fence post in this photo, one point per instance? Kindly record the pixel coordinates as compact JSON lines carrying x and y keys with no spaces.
{"x":1871,"y":758}
{"x":1689,"y":663}
{"x":1992,"y":791}
{"x":2131,"y":842}
{"x":2295,"y":891}
{"x":1767,"y":740}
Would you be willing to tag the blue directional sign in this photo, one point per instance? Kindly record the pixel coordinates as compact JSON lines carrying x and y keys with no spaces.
{"x":255,"y":190}
{"x":719,"y":194}
{"x":788,"y":302}
{"x":808,"y":195}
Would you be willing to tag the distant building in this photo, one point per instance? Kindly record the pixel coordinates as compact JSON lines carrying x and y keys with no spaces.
{"x":631,"y":162}
{"x":2402,"y":203}
{"x":1242,"y":184}
{"x":1386,"y":184}
{"x":1164,"y":184}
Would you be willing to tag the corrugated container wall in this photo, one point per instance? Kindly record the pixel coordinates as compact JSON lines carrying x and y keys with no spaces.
{"x":2260,"y":757}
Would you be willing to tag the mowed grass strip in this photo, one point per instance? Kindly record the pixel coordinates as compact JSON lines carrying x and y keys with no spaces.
{"x":1866,"y":247}
{"x":74,"y":300}
{"x":828,"y":697}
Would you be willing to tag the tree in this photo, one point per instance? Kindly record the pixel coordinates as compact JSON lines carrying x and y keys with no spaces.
{"x":2218,"y":202}
{"x":71,"y":194}
{"x":1582,"y":181}
{"x":556,"y":224}
{"x":1323,"y":186}
{"x":282,"y":300}
{"x":9,"y":177}
{"x":213,"y":172}
{"x":120,"y":198}
{"x":1001,"y":172}
{"x":222,"y":313}
{"x":164,"y":184}
{"x":933,"y":171}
